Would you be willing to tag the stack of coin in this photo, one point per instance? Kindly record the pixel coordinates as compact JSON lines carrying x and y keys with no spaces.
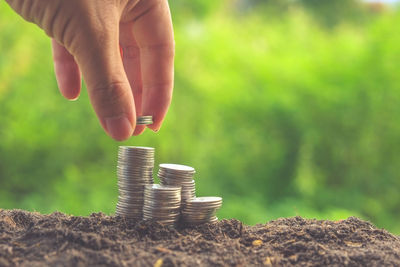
{"x":134,"y":170}
{"x":201,"y":210}
{"x":162,"y":203}
{"x":144,"y":120}
{"x":178,"y":175}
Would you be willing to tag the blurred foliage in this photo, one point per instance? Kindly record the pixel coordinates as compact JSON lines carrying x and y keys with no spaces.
{"x":282,"y":115}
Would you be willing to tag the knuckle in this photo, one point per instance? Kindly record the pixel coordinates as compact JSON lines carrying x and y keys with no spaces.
{"x":24,"y":8}
{"x":161,"y":92}
{"x":166,"y":49}
{"x":110,"y":97}
{"x":51,"y":20}
{"x":131,"y":52}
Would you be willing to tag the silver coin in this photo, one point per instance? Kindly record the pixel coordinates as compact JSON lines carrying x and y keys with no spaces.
{"x":200,"y":210}
{"x":162,"y":203}
{"x":158,"y":187}
{"x":178,"y":175}
{"x":134,"y":171}
{"x":176,"y":167}
{"x":143,"y":120}
{"x":175,"y":196}
{"x":206,"y":200}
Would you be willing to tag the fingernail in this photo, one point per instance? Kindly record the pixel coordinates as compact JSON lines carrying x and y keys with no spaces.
{"x":119,"y":127}
{"x":154,"y":130}
{"x":73,"y":99}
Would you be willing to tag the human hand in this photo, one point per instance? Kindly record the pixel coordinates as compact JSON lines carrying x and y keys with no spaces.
{"x":87,"y":37}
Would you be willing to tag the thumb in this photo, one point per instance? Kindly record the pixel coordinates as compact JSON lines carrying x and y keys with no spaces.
{"x":99,"y":59}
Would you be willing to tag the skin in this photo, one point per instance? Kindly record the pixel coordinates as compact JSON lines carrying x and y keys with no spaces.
{"x":124,"y":50}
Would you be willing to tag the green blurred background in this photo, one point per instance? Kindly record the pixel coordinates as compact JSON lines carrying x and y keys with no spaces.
{"x":283,"y":107}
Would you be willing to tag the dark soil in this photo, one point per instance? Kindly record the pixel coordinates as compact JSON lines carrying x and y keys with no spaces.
{"x":33,"y":239}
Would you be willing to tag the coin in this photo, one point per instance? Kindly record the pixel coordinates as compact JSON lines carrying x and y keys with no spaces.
{"x":134,"y":171}
{"x":201,"y":210}
{"x":144,"y":120}
{"x":177,"y":168}
{"x":178,"y":175}
{"x":139,"y":198}
{"x":162,"y":203}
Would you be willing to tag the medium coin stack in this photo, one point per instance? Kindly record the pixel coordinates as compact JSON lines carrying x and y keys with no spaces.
{"x":135,"y":171}
{"x":144,"y":120}
{"x":178,"y":175}
{"x":162,"y":203}
{"x":201,"y":210}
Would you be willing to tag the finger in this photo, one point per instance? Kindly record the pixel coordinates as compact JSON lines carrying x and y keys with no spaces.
{"x":98,"y":56}
{"x":131,"y":61}
{"x":67,"y":72}
{"x":154,"y":35}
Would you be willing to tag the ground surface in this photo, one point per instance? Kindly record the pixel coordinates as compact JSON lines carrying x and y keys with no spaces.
{"x":33,"y":239}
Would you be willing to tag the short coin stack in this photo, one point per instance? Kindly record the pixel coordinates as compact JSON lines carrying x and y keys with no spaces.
{"x":178,"y":175}
{"x":134,"y":170}
{"x":201,"y":210}
{"x":162,"y":203}
{"x":144,"y":120}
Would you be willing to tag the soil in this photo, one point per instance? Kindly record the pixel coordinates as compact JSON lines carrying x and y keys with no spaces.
{"x":33,"y":239}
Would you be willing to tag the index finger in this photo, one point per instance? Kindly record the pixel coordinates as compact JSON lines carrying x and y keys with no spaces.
{"x":154,"y":35}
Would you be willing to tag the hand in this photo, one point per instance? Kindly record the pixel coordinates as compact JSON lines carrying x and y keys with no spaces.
{"x":88,"y":37}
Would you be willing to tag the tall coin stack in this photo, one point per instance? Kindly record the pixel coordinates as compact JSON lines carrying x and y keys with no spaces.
{"x":162,"y":203}
{"x":135,"y":171}
{"x":201,"y":210}
{"x":178,"y":175}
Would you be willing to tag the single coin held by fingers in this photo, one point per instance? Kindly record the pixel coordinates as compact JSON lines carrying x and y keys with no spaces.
{"x":144,"y":120}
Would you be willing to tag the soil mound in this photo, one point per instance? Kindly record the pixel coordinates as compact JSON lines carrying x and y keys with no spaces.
{"x":33,"y":239}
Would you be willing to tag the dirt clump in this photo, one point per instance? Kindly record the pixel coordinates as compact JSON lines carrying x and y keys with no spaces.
{"x":33,"y":239}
